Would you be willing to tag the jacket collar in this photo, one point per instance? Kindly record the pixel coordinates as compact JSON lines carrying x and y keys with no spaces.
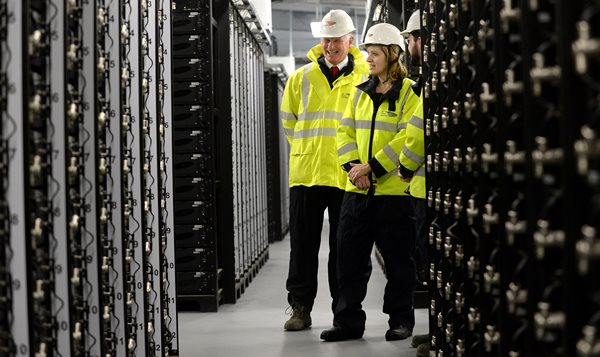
{"x":418,"y":86}
{"x":360,"y":63}
{"x":392,"y":95}
{"x":344,"y":72}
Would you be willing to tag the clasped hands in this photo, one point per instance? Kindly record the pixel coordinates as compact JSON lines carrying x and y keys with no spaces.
{"x":358,"y":175}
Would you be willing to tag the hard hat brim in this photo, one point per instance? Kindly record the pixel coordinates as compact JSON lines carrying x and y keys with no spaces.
{"x":315,"y":29}
{"x":363,"y":46}
{"x":409,"y":31}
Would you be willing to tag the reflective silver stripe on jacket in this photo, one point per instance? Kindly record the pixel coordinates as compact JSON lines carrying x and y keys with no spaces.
{"x":383,"y":126}
{"x":347,"y":122}
{"x":356,"y":98}
{"x":287,"y":116}
{"x":391,"y":154}
{"x":411,"y":155}
{"x":347,"y":148}
{"x":403,"y":125}
{"x":309,"y":133}
{"x":288,"y":131}
{"x":305,"y":90}
{"x":420,"y":171}
{"x":330,"y":114}
{"x":416,"y":121}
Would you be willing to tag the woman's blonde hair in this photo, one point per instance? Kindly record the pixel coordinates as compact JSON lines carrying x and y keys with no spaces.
{"x":396,"y":68}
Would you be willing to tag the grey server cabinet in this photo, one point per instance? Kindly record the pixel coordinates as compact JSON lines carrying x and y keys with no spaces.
{"x":219,"y":195}
{"x":241,"y":158}
{"x":194,"y":157}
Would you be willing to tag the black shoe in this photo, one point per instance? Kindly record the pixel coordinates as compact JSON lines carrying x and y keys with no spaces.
{"x":398,"y":333}
{"x":339,"y":334}
{"x":423,"y":350}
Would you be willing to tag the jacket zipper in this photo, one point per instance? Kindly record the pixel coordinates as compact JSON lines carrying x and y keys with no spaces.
{"x":371,"y":191}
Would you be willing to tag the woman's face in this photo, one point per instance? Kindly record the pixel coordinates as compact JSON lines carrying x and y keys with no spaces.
{"x":377,"y":60}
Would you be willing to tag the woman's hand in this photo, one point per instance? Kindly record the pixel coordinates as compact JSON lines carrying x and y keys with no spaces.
{"x":362,"y":183}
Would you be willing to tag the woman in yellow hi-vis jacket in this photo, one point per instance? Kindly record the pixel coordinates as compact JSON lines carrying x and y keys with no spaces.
{"x":313,"y":103}
{"x":376,"y":206}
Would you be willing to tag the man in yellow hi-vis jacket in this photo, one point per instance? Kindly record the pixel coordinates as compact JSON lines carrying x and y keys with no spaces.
{"x":412,"y":158}
{"x":412,"y":166}
{"x":376,"y":208}
{"x":313,"y":102}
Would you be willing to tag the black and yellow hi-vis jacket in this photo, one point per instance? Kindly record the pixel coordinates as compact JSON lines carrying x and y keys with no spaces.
{"x":376,"y":133}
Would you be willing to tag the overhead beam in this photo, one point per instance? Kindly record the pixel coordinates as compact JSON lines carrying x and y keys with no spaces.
{"x":310,"y":7}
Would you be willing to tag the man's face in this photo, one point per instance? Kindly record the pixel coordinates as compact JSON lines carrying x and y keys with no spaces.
{"x":336,"y":49}
{"x":414,"y":48}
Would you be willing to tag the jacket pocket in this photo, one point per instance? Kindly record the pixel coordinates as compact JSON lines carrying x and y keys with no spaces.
{"x":301,"y":147}
{"x":302,"y":168}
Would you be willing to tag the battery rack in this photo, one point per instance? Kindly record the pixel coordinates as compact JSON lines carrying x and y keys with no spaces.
{"x":86,"y":264}
{"x":512,"y":151}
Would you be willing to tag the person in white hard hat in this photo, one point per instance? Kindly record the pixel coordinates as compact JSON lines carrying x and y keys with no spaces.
{"x":376,"y":206}
{"x":412,"y":33}
{"x":314,"y":100}
{"x":412,"y":168}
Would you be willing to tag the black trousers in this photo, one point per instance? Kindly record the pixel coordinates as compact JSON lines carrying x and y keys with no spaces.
{"x":307,"y":206}
{"x":389,"y":222}
{"x":420,"y":208}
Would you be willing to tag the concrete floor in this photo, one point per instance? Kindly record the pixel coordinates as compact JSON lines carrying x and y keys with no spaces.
{"x":253,"y":327}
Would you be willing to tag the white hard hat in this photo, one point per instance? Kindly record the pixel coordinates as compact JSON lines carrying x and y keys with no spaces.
{"x":413,"y":24}
{"x":336,"y":23}
{"x":383,"y":34}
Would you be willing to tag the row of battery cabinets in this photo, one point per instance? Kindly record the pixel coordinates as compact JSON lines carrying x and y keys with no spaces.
{"x":511,"y":123}
{"x":219,"y":140}
{"x":88,"y":266}
{"x":128,"y":152}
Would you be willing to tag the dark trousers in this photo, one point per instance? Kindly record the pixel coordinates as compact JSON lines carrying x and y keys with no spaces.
{"x":307,"y":206}
{"x":389,"y":222}
{"x":420,"y":208}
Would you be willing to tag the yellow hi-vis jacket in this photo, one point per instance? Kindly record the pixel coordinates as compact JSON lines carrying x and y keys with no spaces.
{"x":377,"y":137}
{"x":412,"y":158}
{"x":310,"y":113}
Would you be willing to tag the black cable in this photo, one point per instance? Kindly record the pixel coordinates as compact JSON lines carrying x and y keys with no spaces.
{"x":165,"y":210}
{"x":84,"y":230}
{"x":153,"y":179}
{"x":11,"y":132}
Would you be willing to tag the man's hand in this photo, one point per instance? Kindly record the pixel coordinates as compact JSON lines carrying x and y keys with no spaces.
{"x":358,"y":170}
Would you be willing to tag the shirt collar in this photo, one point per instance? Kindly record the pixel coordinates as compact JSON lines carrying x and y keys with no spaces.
{"x":340,"y":65}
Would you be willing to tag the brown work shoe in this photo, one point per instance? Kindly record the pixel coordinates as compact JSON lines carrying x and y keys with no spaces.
{"x":300,"y":319}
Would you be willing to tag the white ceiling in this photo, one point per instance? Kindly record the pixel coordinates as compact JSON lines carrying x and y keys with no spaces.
{"x":311,"y":5}
{"x":292,"y":18}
